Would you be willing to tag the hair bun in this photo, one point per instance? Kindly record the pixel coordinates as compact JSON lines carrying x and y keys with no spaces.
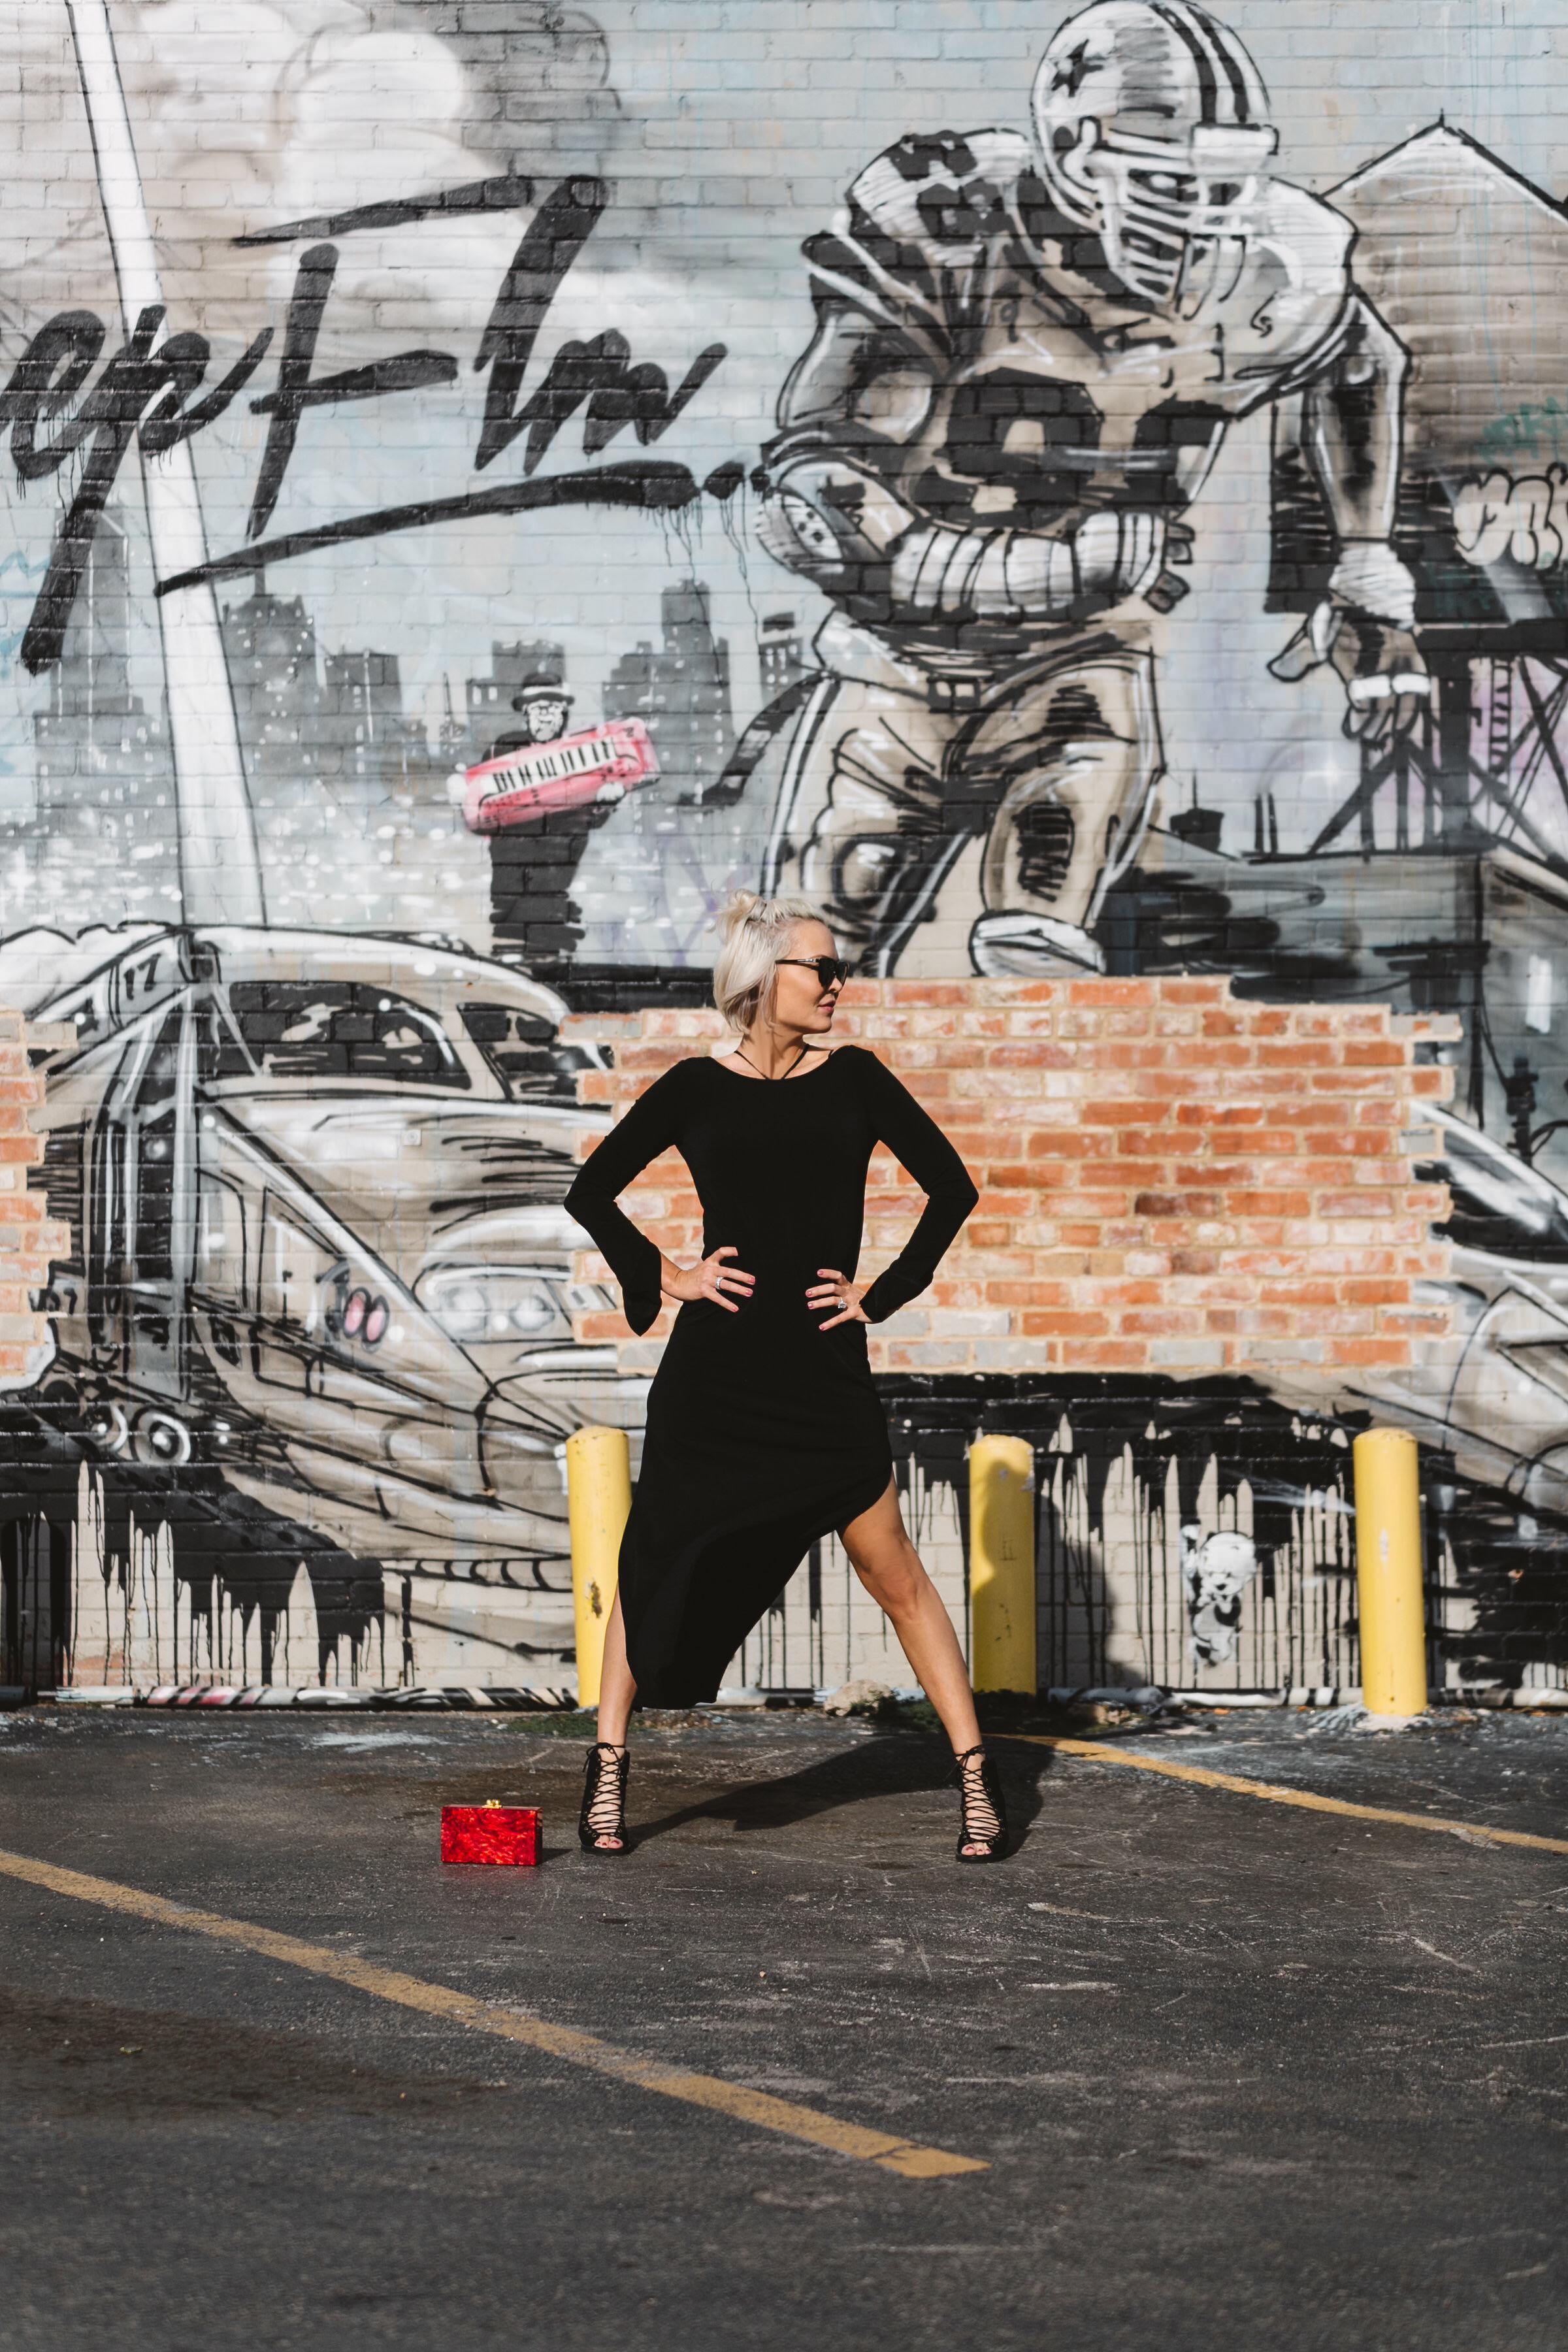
{"x":740,"y":907}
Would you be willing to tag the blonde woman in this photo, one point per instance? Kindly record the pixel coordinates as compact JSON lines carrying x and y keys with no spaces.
{"x":764,"y":1429}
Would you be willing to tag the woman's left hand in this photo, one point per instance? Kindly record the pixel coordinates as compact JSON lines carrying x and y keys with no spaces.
{"x":837,"y":1291}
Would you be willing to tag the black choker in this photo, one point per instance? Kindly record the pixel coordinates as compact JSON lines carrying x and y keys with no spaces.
{"x":763,"y":1074}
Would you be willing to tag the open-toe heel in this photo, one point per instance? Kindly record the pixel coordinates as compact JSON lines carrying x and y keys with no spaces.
{"x":603,"y":1814}
{"x":983,"y":1814}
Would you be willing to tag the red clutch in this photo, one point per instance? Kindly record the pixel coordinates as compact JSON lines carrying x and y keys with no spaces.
{"x":506,"y":1834}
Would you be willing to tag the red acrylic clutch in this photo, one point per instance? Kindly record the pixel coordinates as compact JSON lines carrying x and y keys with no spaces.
{"x":505,"y":1834}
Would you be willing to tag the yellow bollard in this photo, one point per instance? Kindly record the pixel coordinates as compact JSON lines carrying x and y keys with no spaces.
{"x":1388,"y":1573}
{"x":1002,"y":1564}
{"x":599,"y":1495}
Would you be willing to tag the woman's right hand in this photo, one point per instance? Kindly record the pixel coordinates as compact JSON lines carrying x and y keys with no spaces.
{"x":709,"y":1279}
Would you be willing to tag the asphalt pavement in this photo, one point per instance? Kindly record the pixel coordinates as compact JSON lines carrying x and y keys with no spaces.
{"x":1237,"y":2073}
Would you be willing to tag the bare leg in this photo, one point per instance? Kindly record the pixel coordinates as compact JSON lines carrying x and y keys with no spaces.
{"x":617,"y":1688}
{"x":893,"y":1573}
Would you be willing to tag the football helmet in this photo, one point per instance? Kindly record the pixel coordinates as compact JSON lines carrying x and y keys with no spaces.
{"x":1153,"y":129}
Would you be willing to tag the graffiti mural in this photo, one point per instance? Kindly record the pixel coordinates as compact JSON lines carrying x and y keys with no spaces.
{"x":1028,"y":353}
{"x":472,"y":501}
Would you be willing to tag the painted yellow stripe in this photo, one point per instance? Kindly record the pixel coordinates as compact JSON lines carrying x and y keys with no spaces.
{"x":893,"y":2153}
{"x":1272,"y":1793}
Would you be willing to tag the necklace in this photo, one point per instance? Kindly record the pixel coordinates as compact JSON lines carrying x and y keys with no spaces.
{"x":779,"y":1080}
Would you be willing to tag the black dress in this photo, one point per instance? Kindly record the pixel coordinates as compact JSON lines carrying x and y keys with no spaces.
{"x":765,"y":1433}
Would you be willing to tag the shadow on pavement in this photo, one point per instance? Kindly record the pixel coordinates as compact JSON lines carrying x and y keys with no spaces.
{"x":891,"y":1766}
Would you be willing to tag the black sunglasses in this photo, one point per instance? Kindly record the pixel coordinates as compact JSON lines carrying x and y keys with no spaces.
{"x":830,"y":969}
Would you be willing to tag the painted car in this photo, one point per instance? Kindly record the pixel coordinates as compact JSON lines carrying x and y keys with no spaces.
{"x":314,"y":1185}
{"x":1496,"y":1392}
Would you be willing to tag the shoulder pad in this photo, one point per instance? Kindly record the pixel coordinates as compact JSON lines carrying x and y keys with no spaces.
{"x":944,"y":191}
{"x":1318,"y":238}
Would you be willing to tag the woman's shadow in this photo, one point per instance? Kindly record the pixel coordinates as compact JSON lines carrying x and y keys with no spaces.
{"x":893,"y":1763}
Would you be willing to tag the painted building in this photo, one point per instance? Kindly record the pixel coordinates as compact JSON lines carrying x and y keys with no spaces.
{"x":1081,"y":494}
{"x":681,"y":690}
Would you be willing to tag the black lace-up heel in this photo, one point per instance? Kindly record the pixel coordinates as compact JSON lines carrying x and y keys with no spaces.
{"x":604,"y":1810}
{"x":980,"y":1795}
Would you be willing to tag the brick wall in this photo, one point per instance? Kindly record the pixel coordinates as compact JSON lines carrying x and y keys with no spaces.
{"x":29,"y":1237}
{"x":1170,"y":1179}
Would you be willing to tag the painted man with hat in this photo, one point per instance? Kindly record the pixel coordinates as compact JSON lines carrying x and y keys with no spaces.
{"x":544,"y":704}
{"x":533,"y":916}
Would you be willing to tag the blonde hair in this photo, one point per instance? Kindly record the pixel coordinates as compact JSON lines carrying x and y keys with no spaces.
{"x":754,"y":930}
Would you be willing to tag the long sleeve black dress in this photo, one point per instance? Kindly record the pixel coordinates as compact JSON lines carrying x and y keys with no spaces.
{"x":764,"y":1432}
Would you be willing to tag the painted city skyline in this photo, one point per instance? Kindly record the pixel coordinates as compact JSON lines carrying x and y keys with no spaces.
{"x":332,"y":737}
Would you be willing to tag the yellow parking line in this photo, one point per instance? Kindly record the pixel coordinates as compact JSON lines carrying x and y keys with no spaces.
{"x":1273,"y":1793}
{"x":893,"y":2153}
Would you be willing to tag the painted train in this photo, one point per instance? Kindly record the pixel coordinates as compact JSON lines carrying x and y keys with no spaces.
{"x":314,"y":1187}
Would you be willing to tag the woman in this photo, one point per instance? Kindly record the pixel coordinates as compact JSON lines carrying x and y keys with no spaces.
{"x":764,"y":1428}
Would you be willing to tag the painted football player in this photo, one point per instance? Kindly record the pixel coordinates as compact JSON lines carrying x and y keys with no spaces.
{"x":1024,"y":364}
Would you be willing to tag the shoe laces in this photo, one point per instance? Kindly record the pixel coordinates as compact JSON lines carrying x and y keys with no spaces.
{"x":979,"y":1817}
{"x":605,"y":1808}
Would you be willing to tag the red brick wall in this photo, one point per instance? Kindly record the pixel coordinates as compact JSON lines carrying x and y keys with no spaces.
{"x":28,"y":1238}
{"x":1170,"y":1178}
